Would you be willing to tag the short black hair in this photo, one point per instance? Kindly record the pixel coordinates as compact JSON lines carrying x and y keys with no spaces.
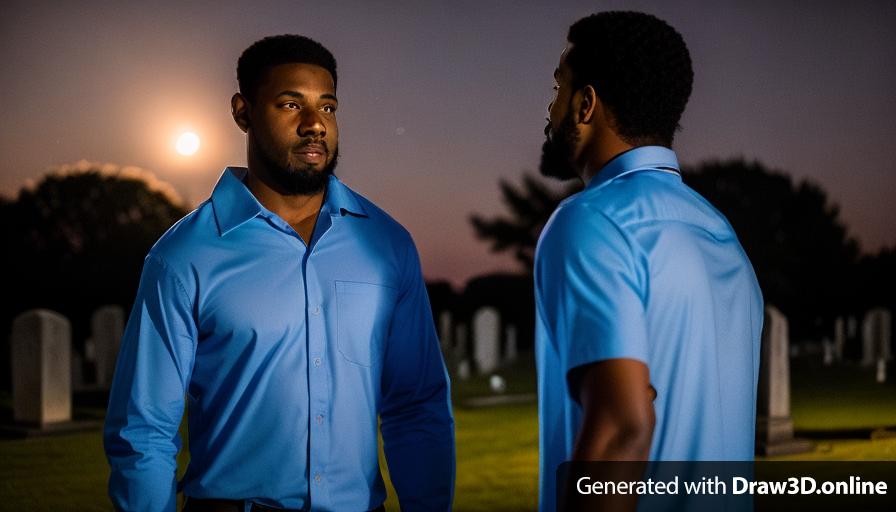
{"x":275,"y":50}
{"x":640,"y":68}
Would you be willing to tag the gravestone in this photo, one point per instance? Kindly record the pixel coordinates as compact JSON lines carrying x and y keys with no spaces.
{"x":41,"y":368}
{"x":839,"y":338}
{"x":445,"y":328}
{"x":510,"y":350}
{"x":107,"y":325}
{"x":486,"y":339}
{"x":876,"y":333}
{"x":460,"y":362}
{"x":827,"y":348}
{"x":463,"y":369}
{"x":774,"y":427}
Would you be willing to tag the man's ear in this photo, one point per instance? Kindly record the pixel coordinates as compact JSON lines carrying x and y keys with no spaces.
{"x":589,"y":106}
{"x":239,"y":108}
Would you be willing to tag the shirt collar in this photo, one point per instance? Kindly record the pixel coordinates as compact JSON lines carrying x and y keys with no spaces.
{"x":234,"y":204}
{"x":636,"y":159}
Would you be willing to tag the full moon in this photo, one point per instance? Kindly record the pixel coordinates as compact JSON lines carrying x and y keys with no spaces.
{"x":187,"y":143}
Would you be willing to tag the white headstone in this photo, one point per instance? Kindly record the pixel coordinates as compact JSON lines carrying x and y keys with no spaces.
{"x":445,"y":330}
{"x":839,"y":338}
{"x":774,"y":379}
{"x":510,"y":351}
{"x":774,"y":428}
{"x":90,"y":350}
{"x":41,"y":367}
{"x":107,"y":325}
{"x":486,"y":339}
{"x":463,"y":369}
{"x":828,"y":350}
{"x":876,"y":332}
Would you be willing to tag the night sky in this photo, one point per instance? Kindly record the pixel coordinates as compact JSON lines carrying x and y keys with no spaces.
{"x":439,"y":100}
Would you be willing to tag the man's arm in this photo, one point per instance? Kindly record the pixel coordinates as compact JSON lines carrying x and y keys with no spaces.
{"x":415,"y":410}
{"x":617,"y":427}
{"x":617,"y":411}
{"x":146,"y":402}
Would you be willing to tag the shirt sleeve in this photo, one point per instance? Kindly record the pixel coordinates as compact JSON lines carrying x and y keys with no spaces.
{"x":594,"y":283}
{"x":415,"y":407}
{"x":146,"y":402}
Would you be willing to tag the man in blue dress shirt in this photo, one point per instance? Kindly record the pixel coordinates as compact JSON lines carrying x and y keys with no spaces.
{"x":290,"y":314}
{"x":649,"y":314}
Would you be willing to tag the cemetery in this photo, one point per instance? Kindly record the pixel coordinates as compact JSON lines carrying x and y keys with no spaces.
{"x":831,"y":400}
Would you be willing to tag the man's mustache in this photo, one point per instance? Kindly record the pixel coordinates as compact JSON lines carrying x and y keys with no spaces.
{"x":315,"y":143}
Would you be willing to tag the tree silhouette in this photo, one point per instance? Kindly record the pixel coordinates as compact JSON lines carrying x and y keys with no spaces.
{"x":77,"y":240}
{"x":802,"y":254}
{"x":531,"y":204}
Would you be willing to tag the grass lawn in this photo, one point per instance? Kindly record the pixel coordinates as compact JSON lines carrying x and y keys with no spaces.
{"x":843,"y":397}
{"x":497,"y":446}
{"x":496,"y":471}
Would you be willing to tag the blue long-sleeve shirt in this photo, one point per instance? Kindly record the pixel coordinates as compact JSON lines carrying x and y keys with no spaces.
{"x":286,"y":355}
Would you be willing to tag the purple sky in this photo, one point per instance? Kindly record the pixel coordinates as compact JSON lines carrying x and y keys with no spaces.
{"x":439,"y":100}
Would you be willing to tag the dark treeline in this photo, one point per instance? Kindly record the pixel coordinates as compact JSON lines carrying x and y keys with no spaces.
{"x":76,"y":241}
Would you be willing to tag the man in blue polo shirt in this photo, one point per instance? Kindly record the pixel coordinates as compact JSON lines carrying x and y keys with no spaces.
{"x":291,"y":314}
{"x":648,"y":311}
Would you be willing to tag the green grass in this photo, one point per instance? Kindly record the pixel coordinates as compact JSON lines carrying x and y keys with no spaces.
{"x":841,"y":397}
{"x":497,"y":447}
{"x":497,"y":466}
{"x":54,"y":473}
{"x":497,"y":460}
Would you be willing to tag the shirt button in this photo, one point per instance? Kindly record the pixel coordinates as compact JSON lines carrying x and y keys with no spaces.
{"x":316,"y":310}
{"x":320,"y":419}
{"x":317,"y":478}
{"x":316,"y":361}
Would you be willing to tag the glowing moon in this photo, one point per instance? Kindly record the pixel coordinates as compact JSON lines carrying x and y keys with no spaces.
{"x":187,"y":143}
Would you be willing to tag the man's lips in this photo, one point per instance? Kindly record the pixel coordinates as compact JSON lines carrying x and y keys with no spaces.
{"x":311,"y":153}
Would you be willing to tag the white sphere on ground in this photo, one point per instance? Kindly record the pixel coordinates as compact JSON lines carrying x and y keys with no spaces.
{"x":496,"y":382}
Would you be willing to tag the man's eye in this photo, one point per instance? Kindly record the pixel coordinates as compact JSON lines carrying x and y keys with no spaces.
{"x":329,"y":109}
{"x":291,"y":105}
{"x":556,"y":87}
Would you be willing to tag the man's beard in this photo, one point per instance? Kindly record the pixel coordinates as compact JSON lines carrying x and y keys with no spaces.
{"x":292,"y":180}
{"x":558,"y":150}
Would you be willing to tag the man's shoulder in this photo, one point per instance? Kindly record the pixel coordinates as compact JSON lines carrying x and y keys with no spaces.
{"x":647,"y":197}
{"x":383,"y":223}
{"x":181,"y":242}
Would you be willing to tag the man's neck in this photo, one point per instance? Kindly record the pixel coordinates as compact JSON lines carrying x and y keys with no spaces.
{"x":604,"y":151}
{"x":299,"y":211}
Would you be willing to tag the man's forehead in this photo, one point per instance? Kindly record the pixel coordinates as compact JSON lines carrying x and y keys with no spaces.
{"x":298,"y":74}
{"x":562,"y":66}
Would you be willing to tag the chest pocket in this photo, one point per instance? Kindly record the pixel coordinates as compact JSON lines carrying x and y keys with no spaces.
{"x":363,"y":315}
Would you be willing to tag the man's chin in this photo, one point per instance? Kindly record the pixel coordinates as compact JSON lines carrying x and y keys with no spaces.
{"x":557,"y":170}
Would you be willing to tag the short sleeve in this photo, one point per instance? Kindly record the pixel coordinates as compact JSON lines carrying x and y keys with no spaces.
{"x":592,"y":283}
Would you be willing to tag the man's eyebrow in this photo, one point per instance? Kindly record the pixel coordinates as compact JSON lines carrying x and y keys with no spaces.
{"x":297,"y":94}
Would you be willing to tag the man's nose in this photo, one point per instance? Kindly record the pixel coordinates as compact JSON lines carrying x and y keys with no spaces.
{"x":311,"y":125}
